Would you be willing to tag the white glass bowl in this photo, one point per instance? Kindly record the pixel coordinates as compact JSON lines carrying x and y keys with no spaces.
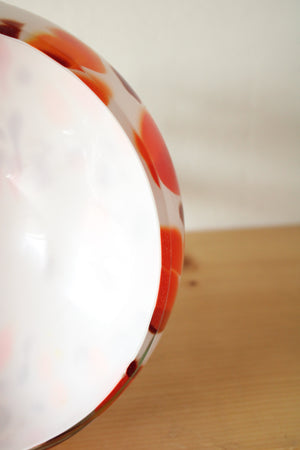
{"x":91,"y":236}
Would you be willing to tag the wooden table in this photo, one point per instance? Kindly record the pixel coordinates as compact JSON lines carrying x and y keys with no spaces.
{"x":226,"y":373}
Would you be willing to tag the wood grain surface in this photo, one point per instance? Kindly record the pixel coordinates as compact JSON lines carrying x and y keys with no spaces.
{"x":226,"y":373}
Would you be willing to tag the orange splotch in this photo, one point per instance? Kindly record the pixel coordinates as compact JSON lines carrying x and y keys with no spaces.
{"x":145,"y":155}
{"x":67,"y":50}
{"x":10,"y":28}
{"x":6,"y":346}
{"x":118,"y":388}
{"x":172,"y":259}
{"x":99,"y":87}
{"x":165,"y":300}
{"x":155,"y":152}
{"x":171,"y":248}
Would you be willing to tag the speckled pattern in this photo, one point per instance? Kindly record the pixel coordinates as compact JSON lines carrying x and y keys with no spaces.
{"x":125,"y":105}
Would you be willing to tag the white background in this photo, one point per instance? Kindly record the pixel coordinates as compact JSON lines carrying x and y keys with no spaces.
{"x":221,"y":79}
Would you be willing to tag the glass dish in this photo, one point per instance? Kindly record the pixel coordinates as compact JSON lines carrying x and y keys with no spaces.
{"x":91,"y":238}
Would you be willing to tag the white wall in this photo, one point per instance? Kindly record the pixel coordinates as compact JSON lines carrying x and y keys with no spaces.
{"x":221,"y":78}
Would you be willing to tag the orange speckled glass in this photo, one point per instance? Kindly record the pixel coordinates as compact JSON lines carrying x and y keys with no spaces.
{"x":75,"y":171}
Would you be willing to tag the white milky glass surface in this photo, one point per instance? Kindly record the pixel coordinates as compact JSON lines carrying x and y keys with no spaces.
{"x":79,"y":249}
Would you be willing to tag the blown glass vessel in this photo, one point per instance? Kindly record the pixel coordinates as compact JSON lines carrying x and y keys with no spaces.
{"x":91,"y":236}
